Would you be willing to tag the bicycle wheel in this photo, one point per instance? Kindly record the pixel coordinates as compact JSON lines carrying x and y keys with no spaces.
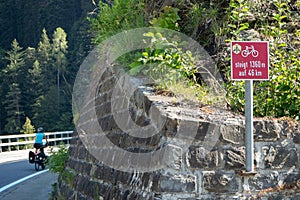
{"x":245,"y":53}
{"x":254,"y":53}
{"x":43,"y":166}
{"x":37,"y":166}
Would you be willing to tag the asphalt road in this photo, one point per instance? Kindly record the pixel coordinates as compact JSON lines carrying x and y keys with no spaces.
{"x":13,"y":171}
{"x":38,"y":187}
{"x":19,"y":180}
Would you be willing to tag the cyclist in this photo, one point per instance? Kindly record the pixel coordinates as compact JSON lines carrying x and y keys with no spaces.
{"x":40,"y":135}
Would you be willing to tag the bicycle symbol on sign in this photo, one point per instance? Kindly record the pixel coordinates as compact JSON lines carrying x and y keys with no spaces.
{"x":248,"y":51}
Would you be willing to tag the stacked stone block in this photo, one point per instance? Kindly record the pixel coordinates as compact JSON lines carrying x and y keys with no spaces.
{"x":209,"y":168}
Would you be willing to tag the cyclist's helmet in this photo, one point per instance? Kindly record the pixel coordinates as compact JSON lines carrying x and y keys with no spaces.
{"x":40,"y":130}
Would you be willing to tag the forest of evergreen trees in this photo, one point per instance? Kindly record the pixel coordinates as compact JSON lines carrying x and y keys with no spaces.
{"x":42,"y":44}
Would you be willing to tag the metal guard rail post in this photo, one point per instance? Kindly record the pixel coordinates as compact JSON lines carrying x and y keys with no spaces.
{"x":25,"y":139}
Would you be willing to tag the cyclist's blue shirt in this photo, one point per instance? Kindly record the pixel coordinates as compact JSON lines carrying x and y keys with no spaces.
{"x":39,"y":138}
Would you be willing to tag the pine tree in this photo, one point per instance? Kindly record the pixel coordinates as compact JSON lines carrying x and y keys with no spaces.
{"x":47,"y":114}
{"x":13,"y":77}
{"x":26,"y":85}
{"x":15,"y":56}
{"x":44,"y":47}
{"x":60,"y":46}
{"x":36,"y":87}
{"x":35,"y":75}
{"x":14,"y":109}
{"x":44,"y":56}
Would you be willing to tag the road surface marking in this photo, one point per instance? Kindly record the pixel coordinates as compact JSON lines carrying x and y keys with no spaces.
{"x":21,"y":180}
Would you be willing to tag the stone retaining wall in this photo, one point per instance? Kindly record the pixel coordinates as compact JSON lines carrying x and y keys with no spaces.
{"x":209,"y":168}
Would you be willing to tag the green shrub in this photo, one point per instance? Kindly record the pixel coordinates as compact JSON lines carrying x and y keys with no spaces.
{"x":114,"y":18}
{"x":164,"y":62}
{"x":168,"y":18}
{"x":56,"y":161}
{"x":120,"y":16}
{"x":68,"y":176}
{"x":279,"y":96}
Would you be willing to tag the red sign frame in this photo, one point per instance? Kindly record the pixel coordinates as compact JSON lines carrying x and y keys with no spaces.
{"x":249,"y":60}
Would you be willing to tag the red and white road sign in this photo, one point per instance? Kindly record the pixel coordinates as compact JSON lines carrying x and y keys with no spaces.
{"x":250,"y":60}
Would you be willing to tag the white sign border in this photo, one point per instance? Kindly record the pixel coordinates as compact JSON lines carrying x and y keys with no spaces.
{"x":245,"y":79}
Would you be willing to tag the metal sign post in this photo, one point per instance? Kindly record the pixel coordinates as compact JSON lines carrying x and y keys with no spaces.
{"x":249,"y":126}
{"x":249,"y":61}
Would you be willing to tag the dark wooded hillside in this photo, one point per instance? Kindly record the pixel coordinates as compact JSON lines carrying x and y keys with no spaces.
{"x":42,"y":44}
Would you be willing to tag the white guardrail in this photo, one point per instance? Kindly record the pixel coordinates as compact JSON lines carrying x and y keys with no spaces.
{"x":23,"y":141}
